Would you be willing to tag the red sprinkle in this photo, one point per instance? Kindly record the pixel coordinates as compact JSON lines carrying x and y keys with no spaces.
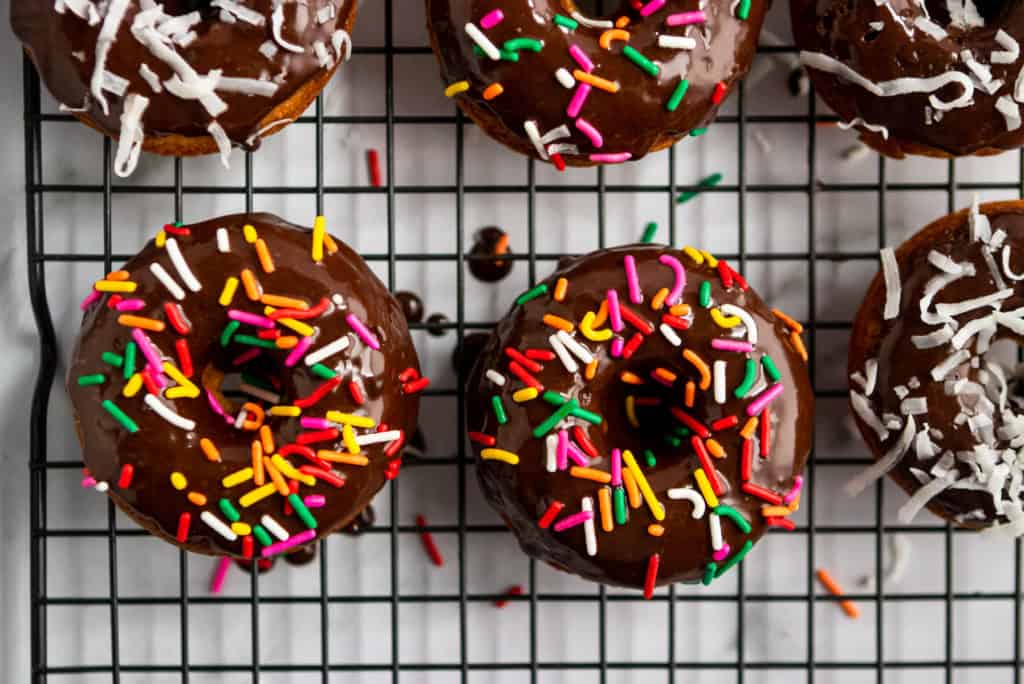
{"x":526,"y":363}
{"x":176,"y":230}
{"x":719,"y":93}
{"x":581,"y":437}
{"x":557,"y":160}
{"x":652,"y":575}
{"x":269,"y":334}
{"x":690,"y":422}
{"x":634,"y":343}
{"x":514,"y":590}
{"x":373,"y":161}
{"x":748,"y":459}
{"x":184,"y":357}
{"x":428,"y":542}
{"x":762,"y":493}
{"x":394,"y":467}
{"x":725,"y":273}
{"x":481,"y":438}
{"x":705,"y":463}
{"x":299,"y":314}
{"x":176,"y":317}
{"x":315,"y":436}
{"x":549,"y":515}
{"x":784,"y":523}
{"x":675,"y":322}
{"x":636,"y":321}
{"x":395,"y":446}
{"x":725,"y":423}
{"x":114,"y":300}
{"x":149,"y":382}
{"x":415,"y":386}
{"x":304,"y":451}
{"x":125,"y":481}
{"x":527,"y":379}
{"x":739,"y":279}
{"x":246,"y":357}
{"x":357,"y":394}
{"x":184,"y":522}
{"x":322,"y":474}
{"x":540,"y":354}
{"x":319,"y":393}
{"x":408,"y":374}
{"x":766,"y":433}
{"x":247,"y":546}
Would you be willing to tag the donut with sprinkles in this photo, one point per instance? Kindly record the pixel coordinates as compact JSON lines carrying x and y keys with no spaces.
{"x":550,"y":82}
{"x":243,"y":386}
{"x":641,"y":417}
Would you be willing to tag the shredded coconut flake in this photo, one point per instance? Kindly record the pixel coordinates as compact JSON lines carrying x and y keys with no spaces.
{"x":1010,"y":51}
{"x":131,"y":137}
{"x":891,"y":273}
{"x":223,"y":143}
{"x":277,"y":21}
{"x":242,"y":12}
{"x":876,"y":470}
{"x":922,"y":496}
{"x":150,"y":77}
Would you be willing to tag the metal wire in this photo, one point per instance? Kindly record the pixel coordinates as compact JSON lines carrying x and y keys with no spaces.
{"x":742,"y":666}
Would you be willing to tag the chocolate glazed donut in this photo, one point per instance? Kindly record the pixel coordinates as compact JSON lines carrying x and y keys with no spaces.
{"x":185,"y":77}
{"x":243,"y":386}
{"x":549,"y":82}
{"x":641,"y":417}
{"x":941,"y":414}
{"x":930,"y":77}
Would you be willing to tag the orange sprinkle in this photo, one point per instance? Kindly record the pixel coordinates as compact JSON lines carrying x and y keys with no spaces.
{"x":602,"y":315}
{"x":849,"y":607}
{"x":776,"y":511}
{"x":275,"y":477}
{"x":267,"y":439}
{"x":284,"y":302}
{"x":789,"y":322}
{"x":605,"y":41}
{"x":702,"y":368}
{"x":501,"y":246}
{"x":254,"y":416}
{"x":210,"y":450}
{"x":558,"y":322}
{"x":286,"y":342}
{"x":258,"y":476}
{"x":665,"y":374}
{"x":596,"y":81}
{"x":330,"y":244}
{"x":691,"y":390}
{"x":592,"y":474}
{"x":622,"y":22}
{"x":659,"y":299}
{"x":798,"y":344}
{"x":679,"y":310}
{"x":714,"y":448}
{"x":342,"y":457}
{"x":631,"y":378}
{"x":118,"y":275}
{"x":591,"y":370}
{"x":655,"y":530}
{"x":604,"y":501}
{"x":197,"y":498}
{"x":266,"y":261}
{"x":561,"y":285}
{"x":748,"y":428}
{"x":494,"y":90}
{"x":636,"y":500}
{"x":150,"y":324}
{"x":251,"y":285}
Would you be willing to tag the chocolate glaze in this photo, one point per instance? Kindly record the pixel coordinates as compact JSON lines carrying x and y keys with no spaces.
{"x":486,"y":264}
{"x":159,"y":449}
{"x":412,"y":305}
{"x":634,"y":120}
{"x":52,"y":40}
{"x":842,"y":30}
{"x":899,"y":359}
{"x":522,"y":493}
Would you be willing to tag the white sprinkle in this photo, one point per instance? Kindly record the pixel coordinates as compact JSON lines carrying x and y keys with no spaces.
{"x":274,"y":527}
{"x":862,"y":407}
{"x":495,"y":377}
{"x":168,"y":414}
{"x":223,"y":241}
{"x":378,"y":437}
{"x":565,"y":78}
{"x":670,"y":334}
{"x":181,"y":266}
{"x":1010,"y":111}
{"x":748,"y":320}
{"x":259,"y":393}
{"x":247,"y":15}
{"x":223,"y":143}
{"x":589,"y":532}
{"x":715,"y":526}
{"x":591,"y":23}
{"x":946,"y":367}
{"x":485,"y":44}
{"x":102,"y":487}
{"x":957,"y":308}
{"x":240,"y":419}
{"x":551,"y":447}
{"x":556,"y":133}
{"x":150,"y":77}
{"x":933,"y":339}
{"x":677,"y":42}
{"x":574,"y":347}
{"x":217,"y":525}
{"x":719,"y":375}
{"x":167,"y":281}
{"x":859,"y":482}
{"x":331,"y":349}
{"x":563,"y":148}
{"x":563,"y":354}
{"x":129,"y":142}
{"x":891,"y":273}
{"x":1010,"y":51}
{"x":277,"y":22}
{"x":693,"y":496}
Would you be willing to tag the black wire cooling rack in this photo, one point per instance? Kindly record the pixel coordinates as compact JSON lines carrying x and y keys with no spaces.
{"x":675,"y":603}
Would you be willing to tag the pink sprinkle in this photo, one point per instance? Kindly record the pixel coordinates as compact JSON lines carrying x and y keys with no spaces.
{"x":686,"y":18}
{"x":614,"y":313}
{"x":293,"y":541}
{"x":315,"y":423}
{"x":364,"y":333}
{"x":219,"y":574}
{"x":578,"y":98}
{"x":315,"y":501}
{"x":617,"y":345}
{"x":298,"y":352}
{"x":215,"y":405}
{"x":246,"y":357}
{"x":722,"y":553}
{"x":573,"y":520}
{"x":147,"y":348}
{"x":251,"y":319}
{"x":677,"y":288}
{"x":88,"y":482}
{"x":581,"y":58}
{"x":651,"y":7}
{"x":492,"y":19}
{"x":596,"y":139}
{"x":755,"y":407}
{"x":90,"y":299}
{"x":726,"y":344}
{"x":616,"y":467}
{"x":635,"y":294}
{"x":611,"y":158}
{"x":578,"y":457}
{"x":562,"y":450}
{"x":130,"y":305}
{"x":798,"y":483}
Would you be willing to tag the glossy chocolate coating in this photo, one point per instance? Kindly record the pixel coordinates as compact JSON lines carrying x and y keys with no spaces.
{"x":899,"y":359}
{"x":634,"y":120}
{"x":486,"y":264}
{"x":159,"y":448}
{"x":522,"y":493}
{"x":52,"y":40}
{"x":843,"y":31}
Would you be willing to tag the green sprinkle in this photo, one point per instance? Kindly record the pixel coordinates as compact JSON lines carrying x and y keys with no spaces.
{"x":770,"y":369}
{"x":697,"y":132}
{"x":261,"y":535}
{"x":517,"y":44}
{"x":251,"y":379}
{"x":553,"y":398}
{"x":728,"y":565}
{"x":566,"y":22}
{"x":115,"y":360}
{"x":744,"y":9}
{"x":709,"y":573}
{"x":677,"y":95}
{"x":121,"y":417}
{"x":255,"y":341}
{"x":707,"y":182}
{"x":531,"y":294}
{"x":95,"y":379}
{"x":129,"y":360}
{"x":682,"y":430}
{"x":229,"y":330}
{"x":230,"y":512}
{"x":673,"y":441}
{"x":556,"y":399}
{"x":634,"y":56}
{"x":506,"y":55}
{"x":749,"y":378}
{"x":323,"y":371}
{"x":705,"y":294}
{"x":619,"y":504}
{"x":651,"y":460}
{"x":303,"y":512}
{"x":555,"y":418}
{"x":499,"y":409}
{"x":734,"y":515}
{"x":649,"y":232}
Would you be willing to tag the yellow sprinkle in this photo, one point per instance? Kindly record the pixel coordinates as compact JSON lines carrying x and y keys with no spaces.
{"x":561,"y":285}
{"x":288,"y":470}
{"x":558,"y":323}
{"x":228,"y":293}
{"x":236,"y":478}
{"x":723,"y":321}
{"x":115,"y":286}
{"x":342,"y":457}
{"x":197,"y":499}
{"x":500,"y":455}
{"x":589,"y":332}
{"x":191,"y":390}
{"x":297,"y":326}
{"x":631,"y":411}
{"x":210,"y":450}
{"x":286,"y":411}
{"x":319,"y":230}
{"x":494,"y":90}
{"x":178,"y":481}
{"x":161,"y":239}
{"x":181,"y":393}
{"x":657,"y":510}
{"x":258,"y":494}
{"x":591,"y":370}
{"x":249,"y":232}
{"x":693,"y":254}
{"x":240,"y":528}
{"x":525,"y":394}
{"x":351,"y":419}
{"x":705,"y":487}
{"x":348,"y":435}
{"x":456,"y":88}
{"x":712,"y":261}
{"x":658,"y":300}
{"x":133,"y":386}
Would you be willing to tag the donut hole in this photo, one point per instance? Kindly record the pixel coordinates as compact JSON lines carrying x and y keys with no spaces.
{"x":178,"y":7}
{"x":992,"y":11}
{"x":595,"y":9}
{"x":255,"y":380}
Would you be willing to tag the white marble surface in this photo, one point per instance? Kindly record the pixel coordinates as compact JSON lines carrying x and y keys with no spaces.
{"x":428,"y":632}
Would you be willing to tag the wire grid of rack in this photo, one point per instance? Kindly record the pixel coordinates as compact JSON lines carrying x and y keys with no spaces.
{"x":675,"y":602}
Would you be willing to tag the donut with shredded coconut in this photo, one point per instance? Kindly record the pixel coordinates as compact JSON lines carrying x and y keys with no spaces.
{"x":938,"y":402}
{"x":941,"y":79}
{"x":185,"y":77}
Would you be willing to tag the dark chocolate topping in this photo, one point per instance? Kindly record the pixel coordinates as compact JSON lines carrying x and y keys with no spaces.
{"x":485,"y":261}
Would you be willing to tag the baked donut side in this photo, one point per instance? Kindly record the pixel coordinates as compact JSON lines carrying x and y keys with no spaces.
{"x":641,"y":417}
{"x":198,"y":78}
{"x":938,"y":411}
{"x":556,"y":85}
{"x":243,"y":386}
